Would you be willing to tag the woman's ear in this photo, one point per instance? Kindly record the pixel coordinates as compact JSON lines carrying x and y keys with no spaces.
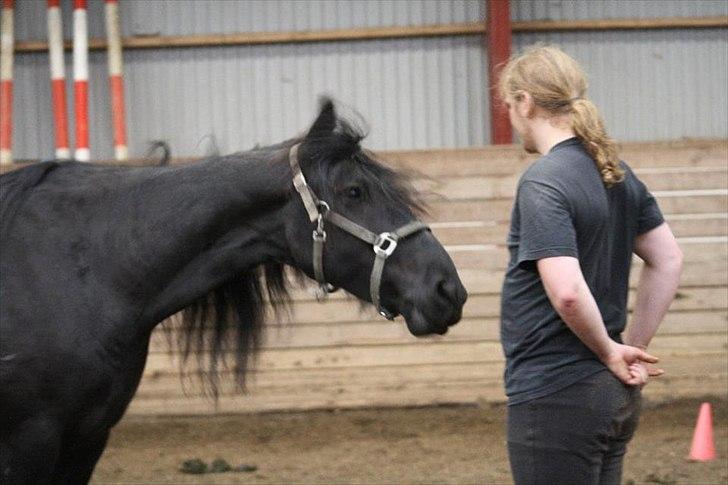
{"x":524,"y":104}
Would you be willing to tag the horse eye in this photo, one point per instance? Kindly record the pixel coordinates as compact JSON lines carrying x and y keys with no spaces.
{"x":353,"y":192}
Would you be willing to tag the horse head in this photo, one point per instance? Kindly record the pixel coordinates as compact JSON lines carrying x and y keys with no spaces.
{"x":364,"y":218}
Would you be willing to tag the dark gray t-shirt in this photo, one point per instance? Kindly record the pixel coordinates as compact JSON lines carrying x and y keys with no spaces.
{"x":563,"y":208}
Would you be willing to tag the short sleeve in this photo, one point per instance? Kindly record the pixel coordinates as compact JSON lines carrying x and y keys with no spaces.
{"x":650,"y":215}
{"x":546,"y":224}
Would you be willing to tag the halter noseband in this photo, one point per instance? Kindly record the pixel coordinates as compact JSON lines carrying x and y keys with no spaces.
{"x":319,"y":211}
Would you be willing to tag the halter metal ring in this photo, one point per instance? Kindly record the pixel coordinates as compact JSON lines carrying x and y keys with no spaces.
{"x":323,"y":207}
{"x":385,"y":244}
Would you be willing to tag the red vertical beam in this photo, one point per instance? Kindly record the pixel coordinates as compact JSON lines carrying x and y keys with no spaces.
{"x":498,"y":46}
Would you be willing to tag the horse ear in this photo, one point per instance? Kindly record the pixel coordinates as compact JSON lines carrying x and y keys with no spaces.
{"x":326,"y":120}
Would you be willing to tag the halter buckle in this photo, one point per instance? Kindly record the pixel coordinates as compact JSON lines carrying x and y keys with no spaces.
{"x":385,"y":244}
{"x":319,"y":235}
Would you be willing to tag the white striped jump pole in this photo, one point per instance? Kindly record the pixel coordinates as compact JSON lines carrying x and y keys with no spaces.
{"x":58,"y":79}
{"x":116,"y":80}
{"x":6,"y":83}
{"x":80,"y":79}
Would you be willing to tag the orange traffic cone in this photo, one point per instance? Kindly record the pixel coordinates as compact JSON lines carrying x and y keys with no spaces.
{"x":703,"y":448}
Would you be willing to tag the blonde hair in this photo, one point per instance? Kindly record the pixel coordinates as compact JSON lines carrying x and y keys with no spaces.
{"x":558,"y":85}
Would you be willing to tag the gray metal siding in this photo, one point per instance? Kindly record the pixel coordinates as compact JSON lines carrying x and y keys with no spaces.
{"x":184,"y":17}
{"x":653,"y":85}
{"x":606,"y":9}
{"x":413,"y":93}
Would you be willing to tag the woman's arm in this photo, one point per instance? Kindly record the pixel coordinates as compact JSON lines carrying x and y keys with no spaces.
{"x":657,"y":285}
{"x":571,"y":298}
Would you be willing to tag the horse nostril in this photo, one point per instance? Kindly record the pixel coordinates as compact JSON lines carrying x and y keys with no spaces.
{"x":451,"y":291}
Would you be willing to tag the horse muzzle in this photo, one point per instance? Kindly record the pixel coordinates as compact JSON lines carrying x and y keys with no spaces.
{"x":435,"y":314}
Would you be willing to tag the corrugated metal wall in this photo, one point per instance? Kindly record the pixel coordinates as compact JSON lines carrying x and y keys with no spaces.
{"x":650,"y":85}
{"x":414,"y":93}
{"x":605,"y":9}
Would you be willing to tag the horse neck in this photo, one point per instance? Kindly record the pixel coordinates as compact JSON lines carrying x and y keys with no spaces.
{"x":196,"y":227}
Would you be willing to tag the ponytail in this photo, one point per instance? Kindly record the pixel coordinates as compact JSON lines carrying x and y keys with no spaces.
{"x":558,"y":85}
{"x":588,"y":126}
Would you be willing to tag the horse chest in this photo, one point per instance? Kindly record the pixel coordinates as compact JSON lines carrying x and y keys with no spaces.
{"x":109,"y":394}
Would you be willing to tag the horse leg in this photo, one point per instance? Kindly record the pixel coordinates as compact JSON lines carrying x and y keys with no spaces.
{"x":29,"y":451}
{"x":77,"y":461}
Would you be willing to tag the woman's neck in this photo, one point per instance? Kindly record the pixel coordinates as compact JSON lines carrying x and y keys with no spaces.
{"x":547,"y":132}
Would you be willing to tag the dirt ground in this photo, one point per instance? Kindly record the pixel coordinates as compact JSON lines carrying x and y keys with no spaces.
{"x":460,"y":445}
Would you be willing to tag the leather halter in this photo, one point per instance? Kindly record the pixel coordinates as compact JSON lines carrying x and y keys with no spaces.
{"x":319,"y":211}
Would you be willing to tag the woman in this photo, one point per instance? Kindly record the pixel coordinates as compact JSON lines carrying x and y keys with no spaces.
{"x":572,"y":379}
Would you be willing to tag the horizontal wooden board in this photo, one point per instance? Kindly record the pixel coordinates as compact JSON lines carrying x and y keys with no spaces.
{"x":512,"y":159}
{"x":678,"y":179}
{"x":471,"y":232}
{"x":407,"y":396}
{"x":490,"y":281}
{"x":485,"y":305}
{"x":669,"y":389}
{"x":496,"y":232}
{"x":504,"y":186}
{"x":694,"y":275}
{"x":312,"y":379}
{"x":695,"y":202}
{"x":418,"y":385}
{"x":308,"y":380}
{"x":441,"y":352}
{"x":697,"y":225}
{"x":475,"y":393}
{"x":496,"y":257}
{"x":435,"y":353}
{"x":379,"y":331}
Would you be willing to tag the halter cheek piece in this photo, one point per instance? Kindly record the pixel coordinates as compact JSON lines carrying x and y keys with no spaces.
{"x":319,"y":211}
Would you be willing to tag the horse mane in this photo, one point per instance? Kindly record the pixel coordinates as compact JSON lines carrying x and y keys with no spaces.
{"x":228,"y":323}
{"x":225,"y":327}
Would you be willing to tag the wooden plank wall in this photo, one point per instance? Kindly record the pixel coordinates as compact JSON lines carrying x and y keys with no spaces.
{"x":333,"y":354}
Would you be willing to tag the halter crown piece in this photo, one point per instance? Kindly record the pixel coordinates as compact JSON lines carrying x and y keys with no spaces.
{"x":319,"y":211}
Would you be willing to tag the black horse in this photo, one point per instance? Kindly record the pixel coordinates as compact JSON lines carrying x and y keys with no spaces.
{"x":92,"y":258}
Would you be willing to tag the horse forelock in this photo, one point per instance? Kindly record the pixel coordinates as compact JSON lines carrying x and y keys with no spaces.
{"x":344,"y":145}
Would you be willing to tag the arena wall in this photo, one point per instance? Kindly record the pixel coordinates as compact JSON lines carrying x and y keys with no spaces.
{"x":333,"y":354}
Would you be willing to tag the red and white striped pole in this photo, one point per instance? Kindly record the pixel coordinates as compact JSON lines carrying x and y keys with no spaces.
{"x":6,"y":83}
{"x":58,"y":78}
{"x":116,"y":80}
{"x":80,"y":79}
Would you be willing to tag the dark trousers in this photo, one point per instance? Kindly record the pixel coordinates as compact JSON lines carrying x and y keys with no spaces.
{"x":577,"y":435}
